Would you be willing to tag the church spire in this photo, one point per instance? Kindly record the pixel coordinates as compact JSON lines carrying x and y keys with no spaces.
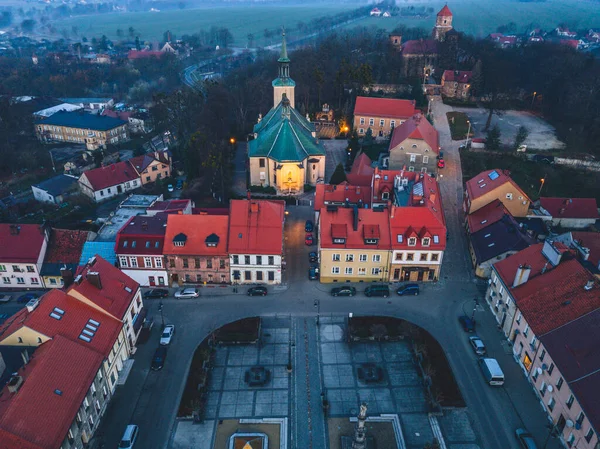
{"x":283,"y":83}
{"x":283,"y":56}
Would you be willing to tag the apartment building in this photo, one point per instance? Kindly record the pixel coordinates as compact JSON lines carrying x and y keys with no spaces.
{"x":414,"y":146}
{"x":382,"y":115}
{"x":22,"y":251}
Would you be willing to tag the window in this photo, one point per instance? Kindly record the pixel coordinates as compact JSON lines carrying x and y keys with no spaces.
{"x":375,"y":271}
{"x":400,"y":238}
{"x":158,"y":263}
{"x":381,"y":122}
{"x":133,"y":244}
{"x":335,"y":270}
{"x":221,"y":263}
{"x":425,"y":159}
{"x":20,"y":280}
{"x":580,"y":418}
{"x":30,"y":269}
{"x":348,"y":270}
{"x":570,"y":401}
{"x":518,"y":320}
{"x":543,"y":389}
{"x":123,"y":261}
{"x":376,"y":257}
{"x":247,"y":260}
{"x":148,"y":262}
{"x":423,"y":257}
{"x":526,"y":330}
{"x":171,"y":263}
{"x":551,"y":369}
{"x":362,"y":258}
{"x":2,"y":268}
{"x":349,"y":257}
{"x":147,"y":178}
{"x":108,"y":190}
{"x":362,"y":120}
{"x":542,"y":355}
{"x":209,"y":263}
{"x":392,"y":123}
{"x":410,"y":257}
{"x":385,"y":195}
{"x":35,"y":281}
{"x":236,"y":260}
{"x":371,"y":121}
{"x":559,"y":384}
{"x":533,"y":342}
{"x":361,"y":130}
{"x":147,"y":243}
{"x":261,"y":162}
{"x":259,"y":275}
{"x":91,"y":420}
{"x":412,"y":241}
{"x":362,"y":271}
{"x":52,"y":281}
{"x":271,"y":275}
{"x":426,"y":241}
{"x":434,"y":257}
{"x":186,"y":263}
{"x":271,"y":260}
{"x":571,"y":439}
{"x":247,"y":275}
{"x":398,"y":256}
{"x":335,"y":257}
{"x":551,"y":404}
{"x":188,"y":278}
{"x":413,"y":157}
{"x":589,"y":435}
{"x":258,"y":260}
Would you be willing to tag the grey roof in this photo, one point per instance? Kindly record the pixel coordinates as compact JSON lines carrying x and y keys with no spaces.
{"x":85,"y":100}
{"x":82,"y":120}
{"x":57,"y":185}
{"x":498,"y":238}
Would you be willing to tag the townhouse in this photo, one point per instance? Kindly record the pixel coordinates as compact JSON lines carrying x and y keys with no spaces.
{"x":575,"y":213}
{"x":195,"y":249}
{"x":139,"y":250}
{"x":493,"y":185}
{"x":63,"y":253}
{"x":456,"y":84}
{"x":354,"y":245}
{"x":103,"y":183}
{"x":22,"y":251}
{"x":54,"y":190}
{"x":255,"y":241}
{"x":415,"y":146}
{"x":153,"y":166}
{"x":382,"y":115}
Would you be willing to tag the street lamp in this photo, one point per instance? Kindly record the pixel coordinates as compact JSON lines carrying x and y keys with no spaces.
{"x":468,"y":134}
{"x":542,"y":182}
{"x":317,"y":304}
{"x":533,"y":99}
{"x":232,"y":142}
{"x":162,"y":318}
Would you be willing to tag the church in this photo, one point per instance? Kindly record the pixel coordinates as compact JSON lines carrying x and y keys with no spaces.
{"x":285,"y":152}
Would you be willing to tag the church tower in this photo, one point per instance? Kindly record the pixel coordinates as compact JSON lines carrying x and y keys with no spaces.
{"x":283,"y":84}
{"x":443,"y":24}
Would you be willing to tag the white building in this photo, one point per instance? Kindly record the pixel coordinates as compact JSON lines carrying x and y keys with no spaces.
{"x":22,"y":251}
{"x":106,"y":182}
{"x":54,"y":190}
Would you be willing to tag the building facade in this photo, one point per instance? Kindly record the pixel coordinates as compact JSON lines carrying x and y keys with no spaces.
{"x":22,"y":251}
{"x":382,"y":115}
{"x":63,"y":254}
{"x":456,"y":84}
{"x":103,"y":183}
{"x":153,"y":166}
{"x":414,"y":146}
{"x":493,"y":185}
{"x":443,"y":24}
{"x":54,"y":190}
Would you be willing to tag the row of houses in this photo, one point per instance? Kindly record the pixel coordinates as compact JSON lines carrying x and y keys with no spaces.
{"x":91,"y":327}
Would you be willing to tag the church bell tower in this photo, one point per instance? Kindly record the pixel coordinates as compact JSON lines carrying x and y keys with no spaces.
{"x":283,"y":84}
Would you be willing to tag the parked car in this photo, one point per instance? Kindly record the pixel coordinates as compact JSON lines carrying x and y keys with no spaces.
{"x":308,"y":227}
{"x":525,"y":439}
{"x":313,"y":257}
{"x":170,"y":187}
{"x":441,"y":163}
{"x":5,"y":298}
{"x":179,"y":184}
{"x":129,"y":437}
{"x":187,"y":293}
{"x":313,"y":273}
{"x":377,"y":290}
{"x":156,"y":293}
{"x":158,"y":361}
{"x":308,"y":240}
{"x":467,"y":323}
{"x":27,"y":297}
{"x":546,"y":159}
{"x":167,"y":334}
{"x":343,"y":291}
{"x":257,"y":291}
{"x":408,"y":289}
{"x":477,"y":345}
{"x":146,"y":330}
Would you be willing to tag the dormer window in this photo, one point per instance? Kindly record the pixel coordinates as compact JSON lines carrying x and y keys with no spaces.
{"x":400,"y":238}
{"x":371,"y":241}
{"x":426,"y":241}
{"x":125,"y":244}
{"x":385,"y":195}
{"x":212,"y":240}
{"x":412,"y":241}
{"x":339,"y":240}
{"x":180,"y":239}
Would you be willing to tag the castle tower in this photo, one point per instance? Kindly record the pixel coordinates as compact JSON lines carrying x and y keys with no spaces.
{"x":443,"y":24}
{"x":283,"y":84}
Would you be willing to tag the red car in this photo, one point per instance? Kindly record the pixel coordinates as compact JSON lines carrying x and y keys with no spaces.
{"x":441,"y":163}
{"x":308,"y":240}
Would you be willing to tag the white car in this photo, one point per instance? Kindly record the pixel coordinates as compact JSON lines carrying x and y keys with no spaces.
{"x":187,"y":293}
{"x":167,"y":335}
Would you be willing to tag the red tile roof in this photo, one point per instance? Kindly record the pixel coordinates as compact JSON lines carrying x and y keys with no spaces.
{"x":361,"y":172}
{"x":24,"y":247}
{"x":483,"y":183}
{"x":417,"y":127}
{"x":123,"y":115}
{"x":196,"y":228}
{"x":73,"y":321}
{"x":340,"y":194}
{"x":591,"y":241}
{"x":340,"y":223}
{"x":111,"y":175}
{"x":557,"y":297}
{"x":142,"y":162}
{"x":573,"y":43}
{"x":486,"y":216}
{"x":37,"y":412}
{"x":384,"y":107}
{"x":420,"y":47}
{"x":12,"y":441}
{"x":571,"y":207}
{"x":139,"y":54}
{"x":169,"y":206}
{"x":256,"y":227}
{"x":117,"y":292}
{"x":445,"y":11}
{"x":457,"y":76}
{"x":210,"y":211}
{"x":142,"y":235}
{"x":65,"y":246}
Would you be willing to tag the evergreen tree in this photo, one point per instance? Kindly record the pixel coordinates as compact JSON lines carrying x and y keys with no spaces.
{"x":368,"y":139}
{"x":338,"y":176}
{"x":493,"y":138}
{"x":522,"y":134}
{"x":353,"y":146}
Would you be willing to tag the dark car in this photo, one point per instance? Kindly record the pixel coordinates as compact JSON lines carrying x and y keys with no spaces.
{"x":313,"y":273}
{"x":525,"y":439}
{"x":146,"y":330}
{"x":308,"y":227}
{"x":313,"y":257}
{"x":467,"y":323}
{"x":546,"y":159}
{"x":257,"y":291}
{"x":156,"y":293}
{"x":179,"y":184}
{"x":308,"y":240}
{"x":158,"y":361}
{"x":27,"y":297}
{"x":343,"y":291}
{"x":408,"y":289}
{"x":377,"y":290}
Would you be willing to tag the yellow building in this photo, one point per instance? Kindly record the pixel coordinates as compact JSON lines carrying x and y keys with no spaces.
{"x":153,"y":166}
{"x":354,"y":245}
{"x":493,"y":185}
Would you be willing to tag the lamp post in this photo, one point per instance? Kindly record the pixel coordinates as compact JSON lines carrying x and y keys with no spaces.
{"x":533,"y":99}
{"x":232,"y":142}
{"x":468,"y":134}
{"x":317,"y":304}
{"x":542,"y":182}
{"x":162,"y":318}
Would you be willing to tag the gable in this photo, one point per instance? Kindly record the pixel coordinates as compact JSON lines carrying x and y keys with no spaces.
{"x":24,"y":336}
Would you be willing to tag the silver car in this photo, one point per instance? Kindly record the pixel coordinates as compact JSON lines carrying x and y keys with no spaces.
{"x":477,"y":345}
{"x":167,"y":334}
{"x":187,"y":293}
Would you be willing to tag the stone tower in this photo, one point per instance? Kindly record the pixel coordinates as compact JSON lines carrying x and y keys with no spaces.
{"x":283,"y":84}
{"x":443,"y":24}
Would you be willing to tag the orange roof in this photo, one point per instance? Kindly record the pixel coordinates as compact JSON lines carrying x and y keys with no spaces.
{"x":361,"y":172}
{"x":488,"y":181}
{"x":369,"y":225}
{"x":417,"y":127}
{"x":340,"y":194}
{"x":256,"y":227}
{"x":457,"y":76}
{"x":445,"y":12}
{"x":202,"y":235}
{"x":384,"y":107}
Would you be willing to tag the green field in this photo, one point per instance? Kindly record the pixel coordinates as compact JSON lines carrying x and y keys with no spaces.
{"x":240,"y":20}
{"x":482,"y":17}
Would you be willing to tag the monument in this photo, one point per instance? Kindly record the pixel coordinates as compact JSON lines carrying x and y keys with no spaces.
{"x":360,"y":440}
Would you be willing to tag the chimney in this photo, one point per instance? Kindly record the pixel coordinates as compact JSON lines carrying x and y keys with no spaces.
{"x":67,"y":276}
{"x":355,"y":218}
{"x":432,"y":197}
{"x":589,"y":285}
{"x":254,"y":207}
{"x":392,"y":211}
{"x":522,"y":275}
{"x":93,"y":278}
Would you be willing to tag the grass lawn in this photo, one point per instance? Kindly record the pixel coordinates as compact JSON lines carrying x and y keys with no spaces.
{"x":560,"y":181}
{"x":482,"y":17}
{"x":458,"y":125}
{"x":239,"y":19}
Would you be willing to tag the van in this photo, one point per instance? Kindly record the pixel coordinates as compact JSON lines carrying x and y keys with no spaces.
{"x":491,"y":371}
{"x":129,"y":437}
{"x":408,"y":289}
{"x":377,"y":290}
